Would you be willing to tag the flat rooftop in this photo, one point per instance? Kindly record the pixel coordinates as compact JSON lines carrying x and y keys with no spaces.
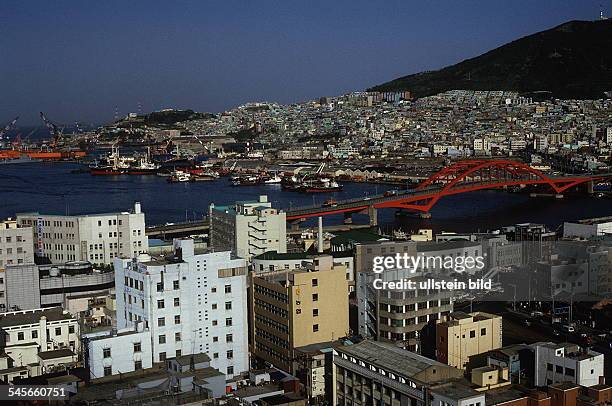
{"x":456,"y":390}
{"x":19,"y":318}
{"x":388,"y":356}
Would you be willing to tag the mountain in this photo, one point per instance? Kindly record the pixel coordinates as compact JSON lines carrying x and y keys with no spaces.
{"x":573,"y":60}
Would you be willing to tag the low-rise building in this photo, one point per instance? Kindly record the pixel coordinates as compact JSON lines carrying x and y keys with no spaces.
{"x":464,"y":335}
{"x":555,"y":363}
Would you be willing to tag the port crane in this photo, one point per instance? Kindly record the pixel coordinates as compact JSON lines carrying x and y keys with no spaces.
{"x":56,"y":131}
{"x":8,"y":128}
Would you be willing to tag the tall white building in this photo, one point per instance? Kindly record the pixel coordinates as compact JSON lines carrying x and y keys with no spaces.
{"x":190,"y":303}
{"x":248,"y":228}
{"x":97,"y":238}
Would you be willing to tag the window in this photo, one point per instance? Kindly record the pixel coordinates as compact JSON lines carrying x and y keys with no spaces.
{"x":230,"y":370}
{"x":228,"y":305}
{"x":70,"y":329}
{"x":176,"y":285}
{"x":315,"y":282}
{"x":108,"y":371}
{"x":214,"y":306}
{"x":177,"y":337}
{"x":228,"y":288}
{"x":161,"y":339}
{"x":177,"y":302}
{"x":161,"y":321}
{"x":20,"y":336}
{"x":228,"y":321}
{"x":229,"y":338}
{"x":315,"y":328}
{"x":160,"y":304}
{"x":472,"y":333}
{"x":137,"y":365}
{"x":558,"y":369}
{"x":106,"y":353}
{"x":483,"y":331}
{"x":570,"y":372}
{"x":160,"y":287}
{"x":214,"y":322}
{"x":216,"y":355}
{"x":58,"y":331}
{"x":215,"y":339}
{"x":177,"y":319}
{"x":315,"y":297}
{"x":162,"y":356}
{"x":179,"y":353}
{"x":34,"y":334}
{"x":549,"y":367}
{"x":315,"y":312}
{"x":137,"y":347}
{"x":230,"y":354}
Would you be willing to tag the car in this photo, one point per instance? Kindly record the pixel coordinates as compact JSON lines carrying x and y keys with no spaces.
{"x":567,"y":328}
{"x":390,"y":193}
{"x":330,"y":203}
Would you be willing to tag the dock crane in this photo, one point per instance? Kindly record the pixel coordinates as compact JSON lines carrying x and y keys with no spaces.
{"x":56,"y":131}
{"x":8,"y":128}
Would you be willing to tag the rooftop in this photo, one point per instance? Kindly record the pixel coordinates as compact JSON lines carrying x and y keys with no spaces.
{"x":61,"y":353}
{"x":18,"y":318}
{"x":456,"y":390}
{"x":390,"y":357}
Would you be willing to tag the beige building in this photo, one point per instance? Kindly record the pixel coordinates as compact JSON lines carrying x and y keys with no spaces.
{"x":297,"y":308}
{"x":16,"y":244}
{"x":463,"y":335}
{"x":248,"y":228}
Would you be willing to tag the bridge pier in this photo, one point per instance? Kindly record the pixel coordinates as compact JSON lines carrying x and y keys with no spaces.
{"x":373,"y":215}
{"x":590,"y":184}
{"x":348,"y":218}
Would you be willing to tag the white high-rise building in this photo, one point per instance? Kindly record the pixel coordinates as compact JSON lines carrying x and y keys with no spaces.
{"x":248,"y":228}
{"x":190,"y":303}
{"x":97,"y":238}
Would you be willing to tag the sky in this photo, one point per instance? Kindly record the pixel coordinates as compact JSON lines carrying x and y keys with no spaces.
{"x":83,"y":60}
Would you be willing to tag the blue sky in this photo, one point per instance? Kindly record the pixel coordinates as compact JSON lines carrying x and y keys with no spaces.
{"x":79,"y":60}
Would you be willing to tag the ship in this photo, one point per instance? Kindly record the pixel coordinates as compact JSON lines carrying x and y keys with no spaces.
{"x":322,"y":185}
{"x":246,"y":180}
{"x":179,"y":176}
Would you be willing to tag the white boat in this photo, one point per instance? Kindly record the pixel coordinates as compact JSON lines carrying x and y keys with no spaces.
{"x":274,"y":179}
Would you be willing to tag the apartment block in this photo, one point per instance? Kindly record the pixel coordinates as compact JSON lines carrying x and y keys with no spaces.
{"x":297,"y":308}
{"x":248,"y":228}
{"x":190,"y":302}
{"x":464,"y":335}
{"x":97,"y":238}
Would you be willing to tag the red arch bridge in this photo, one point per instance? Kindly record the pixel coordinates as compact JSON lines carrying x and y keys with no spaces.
{"x":460,"y":177}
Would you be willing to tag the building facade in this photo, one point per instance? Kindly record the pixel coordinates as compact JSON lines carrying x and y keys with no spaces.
{"x":464,"y":335}
{"x":190,"y":302}
{"x":248,"y":228}
{"x":297,"y":308}
{"x":97,"y":238}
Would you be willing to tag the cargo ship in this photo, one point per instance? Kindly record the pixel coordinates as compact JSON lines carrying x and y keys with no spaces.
{"x":51,"y":155}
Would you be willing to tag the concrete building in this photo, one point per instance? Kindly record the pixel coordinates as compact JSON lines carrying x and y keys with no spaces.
{"x":372,"y":372}
{"x":97,"y":238}
{"x":34,"y":286}
{"x":15,"y":244}
{"x":395,"y":315}
{"x":190,"y":302}
{"x":456,"y":394}
{"x":297,"y":308}
{"x":248,"y":228}
{"x":276,"y":262}
{"x":565,"y":362}
{"x":112,"y":352}
{"x":588,"y":229}
{"x":38,"y":341}
{"x":464,"y":335}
